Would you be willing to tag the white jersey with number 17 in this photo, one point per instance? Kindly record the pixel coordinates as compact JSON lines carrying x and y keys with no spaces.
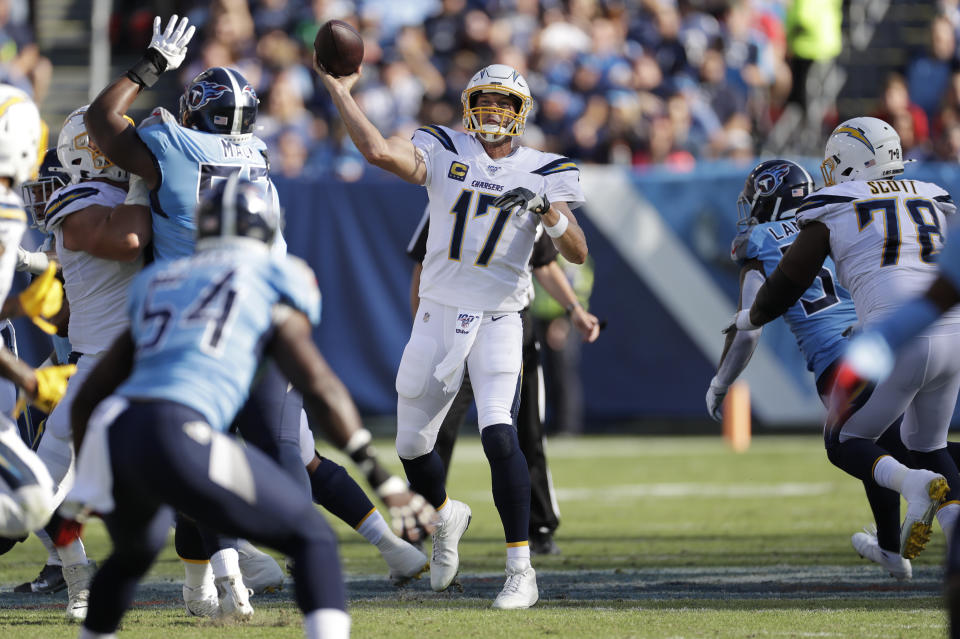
{"x":884,"y":237}
{"x":476,"y":254}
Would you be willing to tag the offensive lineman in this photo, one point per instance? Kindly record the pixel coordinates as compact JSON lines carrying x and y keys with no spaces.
{"x":884,"y":234}
{"x":487,"y":198}
{"x":100,"y":249}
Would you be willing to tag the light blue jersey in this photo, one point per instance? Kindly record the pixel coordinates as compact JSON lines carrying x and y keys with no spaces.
{"x":823,"y":312}
{"x":190,"y":163}
{"x":200,"y":324}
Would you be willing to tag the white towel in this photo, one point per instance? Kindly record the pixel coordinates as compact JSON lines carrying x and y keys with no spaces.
{"x":93,"y":488}
{"x":450,"y":369}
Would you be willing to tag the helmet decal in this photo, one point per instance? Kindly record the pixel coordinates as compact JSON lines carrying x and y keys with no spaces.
{"x":855,"y":133}
{"x":770,"y":180}
{"x":202,"y":92}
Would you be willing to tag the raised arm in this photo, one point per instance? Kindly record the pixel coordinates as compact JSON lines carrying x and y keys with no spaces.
{"x":108,"y":128}
{"x":395,"y":154}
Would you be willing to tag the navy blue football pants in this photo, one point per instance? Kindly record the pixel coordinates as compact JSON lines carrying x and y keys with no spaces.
{"x":162,"y":462}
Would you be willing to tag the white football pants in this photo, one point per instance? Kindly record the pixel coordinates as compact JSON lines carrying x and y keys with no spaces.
{"x":494,"y":361}
{"x":56,"y":445}
{"x":923,"y":386}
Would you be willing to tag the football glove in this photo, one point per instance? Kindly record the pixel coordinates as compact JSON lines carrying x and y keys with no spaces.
{"x":523,"y":200}
{"x":410,"y":514}
{"x":51,"y":385}
{"x":43,"y":299}
{"x":715,"y":395}
{"x":166,"y":51}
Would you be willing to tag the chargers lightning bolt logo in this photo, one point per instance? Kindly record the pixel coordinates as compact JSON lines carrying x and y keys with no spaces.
{"x":202,"y":92}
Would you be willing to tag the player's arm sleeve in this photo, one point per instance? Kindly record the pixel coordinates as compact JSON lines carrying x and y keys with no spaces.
{"x":417,"y":248}
{"x":793,"y":275}
{"x":562,"y":181}
{"x":740,"y":345}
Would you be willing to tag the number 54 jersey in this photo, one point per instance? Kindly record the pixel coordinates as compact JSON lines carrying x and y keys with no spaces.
{"x":476,"y":255}
{"x":885,"y":236}
{"x":200,"y":324}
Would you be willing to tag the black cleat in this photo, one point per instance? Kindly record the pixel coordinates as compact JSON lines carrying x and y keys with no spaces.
{"x":50,"y":580}
{"x":543,"y":544}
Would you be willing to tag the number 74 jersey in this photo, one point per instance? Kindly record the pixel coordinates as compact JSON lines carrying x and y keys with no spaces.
{"x":885,"y":236}
{"x":476,"y":255}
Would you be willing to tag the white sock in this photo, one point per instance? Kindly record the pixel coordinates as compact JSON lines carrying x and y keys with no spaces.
{"x":519,"y":554}
{"x":196,"y":572}
{"x":374,"y":527}
{"x":225,"y":563}
{"x":890,"y":473}
{"x":90,"y":634}
{"x":53,"y":558}
{"x":73,"y":553}
{"x":326,"y":623}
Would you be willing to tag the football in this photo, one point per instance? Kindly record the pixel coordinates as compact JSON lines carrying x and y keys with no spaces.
{"x":338,"y":48}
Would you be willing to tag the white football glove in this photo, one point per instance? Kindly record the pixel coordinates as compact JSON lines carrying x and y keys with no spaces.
{"x":172,"y":43}
{"x":715,"y":395}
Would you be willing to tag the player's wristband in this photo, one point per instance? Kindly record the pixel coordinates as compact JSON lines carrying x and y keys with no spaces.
{"x":365,"y":457}
{"x":559,"y":228}
{"x":569,"y":308}
{"x":147,"y":70}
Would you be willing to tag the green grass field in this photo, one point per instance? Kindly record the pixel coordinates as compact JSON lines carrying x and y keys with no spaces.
{"x":662,"y":537}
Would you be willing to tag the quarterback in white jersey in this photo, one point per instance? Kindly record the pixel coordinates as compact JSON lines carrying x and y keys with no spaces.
{"x":487,"y":197}
{"x":884,"y":235}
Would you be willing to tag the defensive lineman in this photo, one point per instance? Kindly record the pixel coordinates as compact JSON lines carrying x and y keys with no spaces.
{"x":487,"y":197}
{"x":884,"y":235}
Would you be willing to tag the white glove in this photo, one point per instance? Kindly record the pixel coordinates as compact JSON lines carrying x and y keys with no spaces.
{"x":172,"y":43}
{"x":35,"y":262}
{"x":741,"y":322}
{"x":715,"y":395}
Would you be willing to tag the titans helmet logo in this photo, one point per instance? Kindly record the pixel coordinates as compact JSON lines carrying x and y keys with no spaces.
{"x":771,"y":179}
{"x":202,"y":92}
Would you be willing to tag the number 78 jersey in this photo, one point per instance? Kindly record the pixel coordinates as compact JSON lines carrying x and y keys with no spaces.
{"x":476,"y":255}
{"x":885,"y":236}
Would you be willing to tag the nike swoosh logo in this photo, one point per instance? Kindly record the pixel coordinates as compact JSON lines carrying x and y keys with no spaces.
{"x":494,"y":319}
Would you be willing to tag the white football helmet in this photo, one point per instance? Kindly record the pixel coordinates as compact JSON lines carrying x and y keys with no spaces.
{"x":862,"y":149}
{"x":23,"y":135}
{"x":496,"y":78}
{"x":80,"y":157}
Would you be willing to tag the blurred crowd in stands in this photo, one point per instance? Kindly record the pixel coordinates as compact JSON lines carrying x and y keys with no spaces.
{"x":630,"y":82}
